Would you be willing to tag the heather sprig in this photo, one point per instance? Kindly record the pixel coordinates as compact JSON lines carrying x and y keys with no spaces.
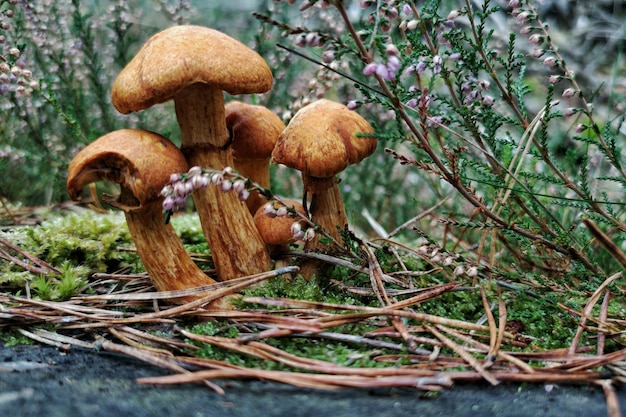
{"x":182,"y":185}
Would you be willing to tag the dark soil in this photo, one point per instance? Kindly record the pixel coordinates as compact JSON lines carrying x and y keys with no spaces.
{"x":43,"y":381}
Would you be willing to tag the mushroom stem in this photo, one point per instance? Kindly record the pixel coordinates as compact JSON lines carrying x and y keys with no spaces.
{"x":236,"y":246}
{"x":163,"y":255}
{"x":326,"y":207}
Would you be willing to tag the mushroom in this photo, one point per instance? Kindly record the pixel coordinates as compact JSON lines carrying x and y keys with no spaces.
{"x":193,"y":65}
{"x":276,"y":229}
{"x":321,"y":141}
{"x":141,"y":162}
{"x":254,"y":131}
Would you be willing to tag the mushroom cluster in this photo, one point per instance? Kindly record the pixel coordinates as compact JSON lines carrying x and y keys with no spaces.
{"x":193,"y":66}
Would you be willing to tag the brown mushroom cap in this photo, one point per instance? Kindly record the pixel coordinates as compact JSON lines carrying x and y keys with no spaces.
{"x":320,"y":141}
{"x":254,"y":130}
{"x":184,"y":55}
{"x":139,"y":160}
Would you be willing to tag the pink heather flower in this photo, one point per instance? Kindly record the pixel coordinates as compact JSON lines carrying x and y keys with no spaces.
{"x":393,"y":64}
{"x":296,"y":231}
{"x":383,"y":72}
{"x":570,"y":111}
{"x":370,"y":68}
{"x":169,"y":203}
{"x":239,"y":186}
{"x":174,"y":178}
{"x":455,"y":56}
{"x":328,"y":56}
{"x":217,"y":178}
{"x":406,"y":10}
{"x":226,"y":185}
{"x":412,"y":24}
{"x":554,"y":79}
{"x":437,"y":61}
{"x":392,"y":49}
{"x":526,"y":30}
{"x":488,"y":101}
{"x":353,"y":105}
{"x":549,"y":62}
{"x":434,"y":121}
{"x":281,"y":211}
{"x":199,"y":181}
{"x":459,"y":270}
{"x":536,"y":39}
{"x":568,"y":93}
{"x":580,"y":128}
{"x":453,"y":15}
{"x":243,"y":194}
{"x":412,"y":103}
{"x":195,"y":170}
{"x":538,"y":53}
{"x":309,"y":234}
{"x":472,"y":271}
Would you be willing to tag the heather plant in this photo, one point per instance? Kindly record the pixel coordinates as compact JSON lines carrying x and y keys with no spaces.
{"x":488,"y":126}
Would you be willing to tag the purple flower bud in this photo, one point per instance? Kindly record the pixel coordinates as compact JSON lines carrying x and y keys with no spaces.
{"x":472,"y":271}
{"x":434,"y":121}
{"x":392,"y":50}
{"x":488,"y":101}
{"x":169,"y":203}
{"x":412,"y":103}
{"x":535,"y":39}
{"x":226,"y":185}
{"x":243,"y":194}
{"x":382,"y":71}
{"x":393,"y":64}
{"x":309,"y":234}
{"x":174,"y":178}
{"x":549,"y":62}
{"x":406,"y":10}
{"x":353,"y":105}
{"x":568,"y":93}
{"x":328,"y":56}
{"x":168,"y":190}
{"x":268,"y":210}
{"x":195,"y":170}
{"x":281,"y":211}
{"x":570,"y":111}
{"x":370,"y":68}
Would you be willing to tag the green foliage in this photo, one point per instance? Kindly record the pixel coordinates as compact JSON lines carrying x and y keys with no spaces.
{"x":76,"y":244}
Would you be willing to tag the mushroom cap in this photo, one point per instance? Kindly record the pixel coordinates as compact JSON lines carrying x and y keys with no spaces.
{"x":321,"y":140}
{"x":183,"y":55}
{"x":276,"y":230}
{"x":254,"y":130}
{"x":139,"y":160}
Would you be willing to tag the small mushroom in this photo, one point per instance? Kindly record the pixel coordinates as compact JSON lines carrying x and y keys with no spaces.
{"x":321,"y":141}
{"x":277,"y":229}
{"x":141,"y":162}
{"x":254,"y":131}
{"x":193,"y":65}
